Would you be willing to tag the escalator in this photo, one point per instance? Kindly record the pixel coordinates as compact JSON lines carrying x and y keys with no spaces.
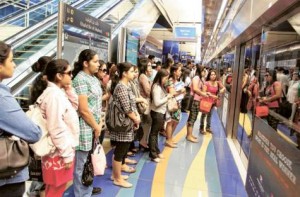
{"x":46,"y":41}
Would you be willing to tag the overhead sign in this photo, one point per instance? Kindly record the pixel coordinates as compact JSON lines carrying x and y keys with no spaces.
{"x":81,"y":20}
{"x":185,"y":33}
{"x":274,"y":164}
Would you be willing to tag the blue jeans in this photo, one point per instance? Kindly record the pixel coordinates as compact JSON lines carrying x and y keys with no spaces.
{"x":79,"y":189}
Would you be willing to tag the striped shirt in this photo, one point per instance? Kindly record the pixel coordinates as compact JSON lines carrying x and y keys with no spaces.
{"x":90,"y":86}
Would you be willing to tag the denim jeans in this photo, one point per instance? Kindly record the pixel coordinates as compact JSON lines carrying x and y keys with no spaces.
{"x":157,"y":124}
{"x":79,"y":189}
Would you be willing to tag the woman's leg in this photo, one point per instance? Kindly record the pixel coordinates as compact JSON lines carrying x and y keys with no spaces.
{"x":146,"y":125}
{"x":157,"y":124}
{"x":119,"y":156}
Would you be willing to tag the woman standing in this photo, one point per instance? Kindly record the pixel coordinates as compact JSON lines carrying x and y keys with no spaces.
{"x":101,"y":74}
{"x":145,"y":88}
{"x":198,"y":93}
{"x":212,"y":87}
{"x":172,"y":118}
{"x":159,"y":99}
{"x":10,"y":112}
{"x":123,"y":96}
{"x":89,"y":92}
{"x":59,"y":103}
{"x":272,"y":96}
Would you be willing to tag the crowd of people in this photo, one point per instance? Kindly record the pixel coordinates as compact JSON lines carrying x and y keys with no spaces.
{"x":149,"y":94}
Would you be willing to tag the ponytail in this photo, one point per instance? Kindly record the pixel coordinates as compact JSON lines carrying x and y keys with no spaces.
{"x":85,"y":55}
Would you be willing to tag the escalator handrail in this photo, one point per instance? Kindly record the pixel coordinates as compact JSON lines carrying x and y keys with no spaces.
{"x":30,"y":32}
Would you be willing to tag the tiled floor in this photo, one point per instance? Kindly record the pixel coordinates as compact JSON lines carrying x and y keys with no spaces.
{"x":206,"y":168}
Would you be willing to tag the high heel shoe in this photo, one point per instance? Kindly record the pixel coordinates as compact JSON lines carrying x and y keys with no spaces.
{"x":143,"y":148}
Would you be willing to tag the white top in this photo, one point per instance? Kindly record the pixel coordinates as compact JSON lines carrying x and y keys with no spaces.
{"x":292,"y":93}
{"x":159,"y":99}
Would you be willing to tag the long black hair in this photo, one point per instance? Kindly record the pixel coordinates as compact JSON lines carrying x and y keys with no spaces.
{"x":85,"y":55}
{"x":4,"y":51}
{"x":143,"y":65}
{"x":39,"y":84}
{"x":52,"y":68}
{"x":169,"y":62}
{"x":121,"y":68}
{"x":158,"y":79}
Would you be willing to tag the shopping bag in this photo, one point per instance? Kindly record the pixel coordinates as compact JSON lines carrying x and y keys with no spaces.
{"x":98,"y":159}
{"x":205,"y":106}
{"x":262,"y":111}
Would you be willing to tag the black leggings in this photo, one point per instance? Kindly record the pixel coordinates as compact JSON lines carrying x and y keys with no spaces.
{"x":121,"y":151}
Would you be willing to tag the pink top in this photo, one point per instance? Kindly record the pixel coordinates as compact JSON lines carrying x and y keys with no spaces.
{"x":59,"y":108}
{"x":145,"y":86}
{"x":212,"y":89}
{"x":196,"y":80}
{"x":270,"y":91}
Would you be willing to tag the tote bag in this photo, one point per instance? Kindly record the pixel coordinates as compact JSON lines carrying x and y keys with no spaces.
{"x":98,"y":159}
{"x":205,"y":106}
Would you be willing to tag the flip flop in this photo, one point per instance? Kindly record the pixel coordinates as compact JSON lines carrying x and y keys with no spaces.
{"x":130,"y":161}
{"x":129,"y":169}
{"x":170,"y":145}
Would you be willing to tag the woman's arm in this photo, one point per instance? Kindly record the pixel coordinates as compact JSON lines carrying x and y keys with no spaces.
{"x":195,"y":84}
{"x":14,"y":121}
{"x":57,"y":128}
{"x":157,"y":101}
{"x":87,"y":115}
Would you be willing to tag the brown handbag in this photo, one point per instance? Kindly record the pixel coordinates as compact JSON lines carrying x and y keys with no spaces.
{"x":14,"y":156}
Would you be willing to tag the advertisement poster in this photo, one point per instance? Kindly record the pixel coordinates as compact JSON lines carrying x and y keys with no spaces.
{"x":274,"y":164}
{"x":132,"y":44}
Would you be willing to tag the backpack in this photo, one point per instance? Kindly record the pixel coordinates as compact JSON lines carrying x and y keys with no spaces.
{"x":45,"y":145}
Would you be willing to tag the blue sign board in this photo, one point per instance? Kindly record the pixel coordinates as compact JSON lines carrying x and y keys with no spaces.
{"x":185,"y":32}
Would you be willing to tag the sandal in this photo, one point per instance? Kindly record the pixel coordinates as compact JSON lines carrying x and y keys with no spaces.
{"x":130,"y":154}
{"x":128,"y":169}
{"x":170,"y":145}
{"x":191,"y":139}
{"x":125,"y":177}
{"x":124,"y":184}
{"x":130,"y":161}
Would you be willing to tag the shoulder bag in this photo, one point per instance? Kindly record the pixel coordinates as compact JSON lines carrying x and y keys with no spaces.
{"x":98,"y":158}
{"x":14,"y":155}
{"x":172,"y":105}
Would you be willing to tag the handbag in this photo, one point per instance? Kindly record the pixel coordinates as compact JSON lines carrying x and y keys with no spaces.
{"x":172,"y":105}
{"x":261,"y":111}
{"x":14,"y":156}
{"x":187,"y":102}
{"x":35,"y":169}
{"x":205,"y":106}
{"x":116,"y":120}
{"x":45,"y":145}
{"x":98,"y":158}
{"x":87,"y":176}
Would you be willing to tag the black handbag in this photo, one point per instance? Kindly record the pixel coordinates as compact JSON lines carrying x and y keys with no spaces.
{"x":35,"y":168}
{"x":14,"y":156}
{"x":88,"y":171}
{"x":116,"y":120}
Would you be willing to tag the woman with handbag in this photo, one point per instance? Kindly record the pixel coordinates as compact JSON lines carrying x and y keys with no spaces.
{"x":212,"y":87}
{"x":124,"y":98}
{"x":198,"y":93}
{"x":58,"y":104}
{"x":145,"y":70}
{"x":89,"y":93}
{"x":159,"y":99}
{"x":272,"y":97}
{"x":13,"y":121}
{"x":172,"y":116}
